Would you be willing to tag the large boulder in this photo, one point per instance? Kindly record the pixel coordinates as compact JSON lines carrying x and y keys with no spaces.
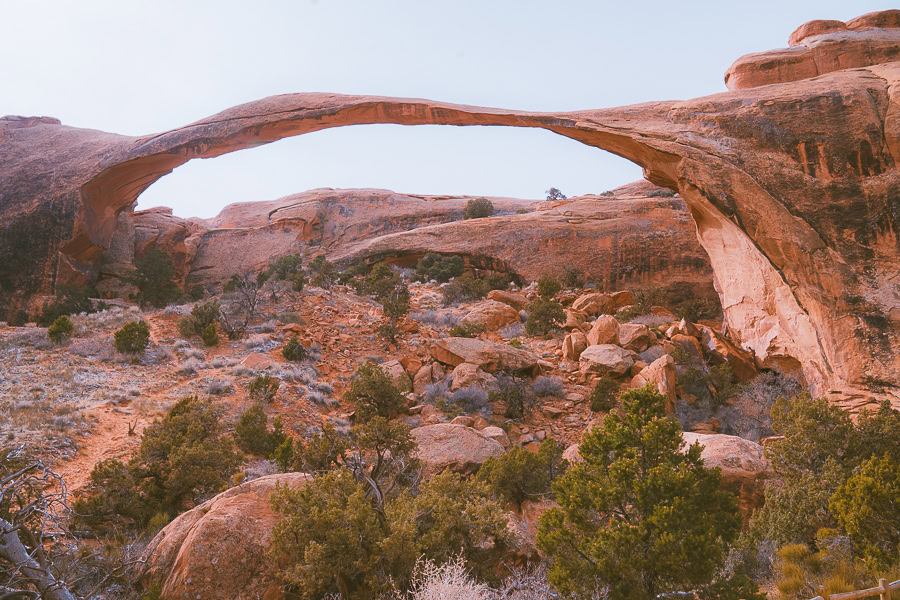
{"x":745,"y":469}
{"x":605,"y":330}
{"x":489,"y":356}
{"x":394,"y":369}
{"x":635,"y":336}
{"x":720,"y":351}
{"x":456,"y":447}
{"x":218,"y":549}
{"x":491,"y":315}
{"x":517,"y":301}
{"x":468,"y":375}
{"x":606,"y":359}
{"x":661,"y":375}
{"x":594,"y":303}
{"x":573,"y":345}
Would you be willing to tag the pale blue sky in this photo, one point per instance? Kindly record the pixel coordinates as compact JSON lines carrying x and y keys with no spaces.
{"x":139,"y":67}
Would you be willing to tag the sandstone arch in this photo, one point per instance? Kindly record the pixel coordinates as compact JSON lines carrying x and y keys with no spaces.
{"x":793,"y":187}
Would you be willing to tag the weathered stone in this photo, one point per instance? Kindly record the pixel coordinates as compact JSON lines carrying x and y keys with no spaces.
{"x":720,"y":350}
{"x":397,"y":373}
{"x":467,"y":375}
{"x":573,"y":345}
{"x":660,"y":374}
{"x":634,"y":336}
{"x":517,"y":301}
{"x":606,"y":359}
{"x":594,"y":303}
{"x":491,"y":315}
{"x":487,"y":355}
{"x":455,"y":447}
{"x":605,"y":330}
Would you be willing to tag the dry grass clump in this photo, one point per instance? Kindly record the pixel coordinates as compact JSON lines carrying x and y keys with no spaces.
{"x":105,"y":320}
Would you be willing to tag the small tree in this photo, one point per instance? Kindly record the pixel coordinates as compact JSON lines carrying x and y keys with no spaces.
{"x":439,"y":268}
{"x":324,"y":273}
{"x":69,"y":301}
{"x":253,"y":435}
{"x":61,"y":329}
{"x":544,"y":316}
{"x":132,"y":338}
{"x":263,"y":388}
{"x":478,"y":208}
{"x":210,"y":336}
{"x":639,"y":514}
{"x":395,"y":304}
{"x":548,"y":286}
{"x":518,"y":475}
{"x":293,"y":350}
{"x":573,"y":277}
{"x":372,"y":393}
{"x":288,"y":268}
{"x":202,"y":316}
{"x":555,"y":194}
{"x":242,"y":295}
{"x":156,"y":278}
{"x":603,"y":396}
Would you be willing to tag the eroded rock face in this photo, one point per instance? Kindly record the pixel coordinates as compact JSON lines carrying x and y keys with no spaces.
{"x":218,"y":549}
{"x":793,"y":187}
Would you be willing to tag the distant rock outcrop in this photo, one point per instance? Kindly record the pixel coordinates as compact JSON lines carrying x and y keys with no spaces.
{"x":791,"y":180}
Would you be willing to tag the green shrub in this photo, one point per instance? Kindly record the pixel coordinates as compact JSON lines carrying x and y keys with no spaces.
{"x":440,"y":268}
{"x":466,"y":329}
{"x":293,"y":350}
{"x":182,"y":460}
{"x":155,"y":279}
{"x":515,"y":343}
{"x":573,"y":277}
{"x":202,"y":316}
{"x":132,"y":338}
{"x":604,"y":395}
{"x":513,"y":393}
{"x":372,"y":393}
{"x":519,"y":474}
{"x":253,"y":435}
{"x":210,"y":336}
{"x":195,"y":293}
{"x":548,"y":286}
{"x":263,"y":388}
{"x":324,"y":273}
{"x":544,"y":316}
{"x":68,"y":301}
{"x":478,"y":208}
{"x":62,"y":328}
{"x":640,"y":513}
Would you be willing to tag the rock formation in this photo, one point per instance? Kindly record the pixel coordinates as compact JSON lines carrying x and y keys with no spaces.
{"x":793,"y":187}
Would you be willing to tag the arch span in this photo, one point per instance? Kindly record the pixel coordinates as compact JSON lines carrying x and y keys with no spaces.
{"x":802,"y":287}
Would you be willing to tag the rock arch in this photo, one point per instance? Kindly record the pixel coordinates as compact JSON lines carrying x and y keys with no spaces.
{"x":793,"y":187}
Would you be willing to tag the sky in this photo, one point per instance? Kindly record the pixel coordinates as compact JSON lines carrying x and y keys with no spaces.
{"x":140,"y":67}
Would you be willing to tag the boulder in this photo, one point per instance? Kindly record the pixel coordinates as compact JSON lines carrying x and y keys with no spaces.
{"x":689,"y":345}
{"x":605,"y":330}
{"x":573,"y":345}
{"x":394,"y":369}
{"x":491,"y":315}
{"x":574,"y":319}
{"x":218,"y":549}
{"x":594,"y":303}
{"x":621,"y":298}
{"x":634,"y":336}
{"x":411,"y":365}
{"x":683,"y":327}
{"x":661,"y":374}
{"x":496,"y":434}
{"x":489,"y":356}
{"x":517,"y":301}
{"x":467,"y":375}
{"x":720,"y":350}
{"x":455,"y":447}
{"x":258,"y":361}
{"x":606,"y":359}
{"x":745,"y":470}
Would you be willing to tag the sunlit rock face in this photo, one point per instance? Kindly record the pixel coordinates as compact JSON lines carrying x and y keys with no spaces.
{"x":791,"y":181}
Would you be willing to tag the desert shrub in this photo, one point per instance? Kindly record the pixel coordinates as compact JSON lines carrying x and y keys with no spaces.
{"x":466,"y":329}
{"x":440,"y":268}
{"x":554,"y":194}
{"x":451,"y":581}
{"x":155,"y":278}
{"x":644,"y":300}
{"x":604,"y":395}
{"x":287,"y":268}
{"x":436,"y":390}
{"x":514,"y":395}
{"x":500,"y":281}
{"x":202,"y":316}
{"x":695,"y":309}
{"x":518,"y":474}
{"x":515,"y":343}
{"x":469,"y":399}
{"x":293,"y":350}
{"x":69,"y":301}
{"x":372,"y":393}
{"x":253,"y":435}
{"x":572,"y":277}
{"x":182,"y":460}
{"x":544,"y":316}
{"x":478,"y":208}
{"x":640,"y":513}
{"x":195,"y":293}
{"x":210,"y":336}
{"x":241,"y":302}
{"x":800,"y":570}
{"x":660,"y":193}
{"x":263,"y":388}
{"x":464,"y":288}
{"x":548,"y":386}
{"x":324,"y":273}
{"x":61,"y":329}
{"x":217,"y":387}
{"x":548,"y":286}
{"x":394,"y":301}
{"x":132,"y":338}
